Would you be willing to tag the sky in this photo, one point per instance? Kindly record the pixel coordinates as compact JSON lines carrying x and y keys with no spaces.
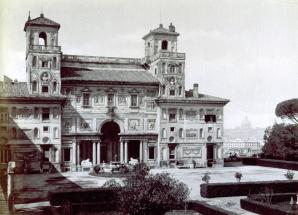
{"x":242,"y":50}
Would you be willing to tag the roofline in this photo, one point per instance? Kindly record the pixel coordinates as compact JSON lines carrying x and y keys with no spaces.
{"x":42,"y":25}
{"x":110,"y":82}
{"x":159,"y":33}
{"x":32,"y":100}
{"x":191,"y":101}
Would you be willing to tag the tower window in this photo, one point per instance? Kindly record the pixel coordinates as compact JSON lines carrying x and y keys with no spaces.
{"x":164,"y":133}
{"x":45,"y":89}
{"x":210,"y":118}
{"x":54,"y":86}
{"x":180,"y":91}
{"x":54,"y":62}
{"x":164,"y":45}
{"x":201,"y":133}
{"x":34,"y":61}
{"x":36,"y":113}
{"x":180,"y":68}
{"x":151,"y":152}
{"x":34,"y":86}
{"x":172,"y":92}
{"x":181,"y":132}
{"x":56,"y":132}
{"x":45,"y":114}
{"x":42,"y":40}
{"x":44,"y":64}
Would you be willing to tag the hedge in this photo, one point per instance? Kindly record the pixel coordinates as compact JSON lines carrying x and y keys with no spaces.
{"x":258,"y":207}
{"x":213,"y":190}
{"x":293,"y":165}
{"x":77,"y":196}
{"x":205,"y":208}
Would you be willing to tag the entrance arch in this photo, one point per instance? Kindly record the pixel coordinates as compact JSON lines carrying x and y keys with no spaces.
{"x":110,"y":142}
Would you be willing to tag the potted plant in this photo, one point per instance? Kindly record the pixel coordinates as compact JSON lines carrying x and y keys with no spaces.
{"x":206,"y":178}
{"x":238,"y":176}
{"x":289,"y":175}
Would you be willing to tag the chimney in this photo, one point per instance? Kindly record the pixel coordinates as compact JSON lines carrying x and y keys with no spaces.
{"x":172,"y":28}
{"x":196,"y":90}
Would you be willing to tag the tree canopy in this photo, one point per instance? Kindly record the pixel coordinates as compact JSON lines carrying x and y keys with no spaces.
{"x":288,"y":109}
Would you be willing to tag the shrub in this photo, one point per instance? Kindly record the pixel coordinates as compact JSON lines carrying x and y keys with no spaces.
{"x":112,"y":183}
{"x":206,"y":178}
{"x":238,"y":176}
{"x":151,"y":194}
{"x":289,"y":175}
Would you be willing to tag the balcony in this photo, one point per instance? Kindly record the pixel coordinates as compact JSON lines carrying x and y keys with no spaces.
{"x":166,"y":54}
{"x":45,"y":48}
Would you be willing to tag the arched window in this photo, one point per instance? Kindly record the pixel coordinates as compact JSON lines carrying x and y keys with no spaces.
{"x":164,"y":45}
{"x":218,"y":133}
{"x":181,"y":132}
{"x":54,"y":86}
{"x":202,"y":114}
{"x":35,"y":133}
{"x":163,"y":68}
{"x":13,"y":132}
{"x":14,"y":112}
{"x":54,"y":62}
{"x":180,"y":91}
{"x":180,"y":113}
{"x":56,"y":132}
{"x":34,"y":61}
{"x":34,"y":86}
{"x":164,"y":133}
{"x":42,"y":40}
{"x":201,"y":133}
{"x":180,"y":68}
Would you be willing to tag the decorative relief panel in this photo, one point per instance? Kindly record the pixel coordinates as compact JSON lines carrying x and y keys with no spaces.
{"x":99,"y":100}
{"x":151,"y":124}
{"x":150,"y":105}
{"x":191,"y":152}
{"x":122,"y":100}
{"x":134,"y":125}
{"x":151,"y":93}
{"x":191,"y":114}
{"x":85,"y":124}
{"x":191,"y":133}
{"x":67,"y":124}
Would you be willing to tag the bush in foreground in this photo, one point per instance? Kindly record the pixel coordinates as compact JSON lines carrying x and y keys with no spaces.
{"x":145,"y":193}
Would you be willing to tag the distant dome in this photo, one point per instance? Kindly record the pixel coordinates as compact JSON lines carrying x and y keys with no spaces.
{"x":246,"y":123}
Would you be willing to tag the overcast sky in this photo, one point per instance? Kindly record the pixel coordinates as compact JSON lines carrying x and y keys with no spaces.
{"x":242,"y":50}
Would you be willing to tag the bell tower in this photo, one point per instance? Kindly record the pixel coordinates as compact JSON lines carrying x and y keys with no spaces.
{"x":165,"y":62}
{"x":43,"y":56}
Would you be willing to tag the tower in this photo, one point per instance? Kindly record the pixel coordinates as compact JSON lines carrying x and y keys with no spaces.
{"x":166,"y":63}
{"x":43,"y":56}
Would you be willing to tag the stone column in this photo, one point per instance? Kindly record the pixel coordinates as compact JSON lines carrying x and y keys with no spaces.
{"x":10,"y":187}
{"x":141,"y":151}
{"x":125,"y":152}
{"x":74,"y":152}
{"x":78,"y":154}
{"x":145,"y":150}
{"x":121,"y":151}
{"x":98,"y":152}
{"x":94,"y":153}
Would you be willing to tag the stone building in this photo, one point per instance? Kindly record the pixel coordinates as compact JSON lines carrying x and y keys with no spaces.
{"x":73,"y":108}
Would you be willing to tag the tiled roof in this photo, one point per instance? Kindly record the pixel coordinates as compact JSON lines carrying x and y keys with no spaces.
{"x":41,"y":21}
{"x":203,"y":98}
{"x":161,"y":30}
{"x":107,"y":75}
{"x":14,"y":89}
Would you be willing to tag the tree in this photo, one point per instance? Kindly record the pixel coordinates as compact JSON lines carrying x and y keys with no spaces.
{"x":288,"y":109}
{"x":281,"y":142}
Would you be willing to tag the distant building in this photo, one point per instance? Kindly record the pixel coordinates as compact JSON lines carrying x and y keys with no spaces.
{"x":241,"y":148}
{"x":73,"y":108}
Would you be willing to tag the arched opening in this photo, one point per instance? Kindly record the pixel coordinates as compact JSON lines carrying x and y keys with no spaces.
{"x":110,"y":148}
{"x":164,"y":45}
{"x":42,"y":39}
{"x":54,"y":62}
{"x":34,"y":61}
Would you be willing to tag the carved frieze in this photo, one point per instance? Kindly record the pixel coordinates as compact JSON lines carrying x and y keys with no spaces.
{"x":191,"y":152}
{"x":122,"y":100}
{"x":151,"y":124}
{"x":191,"y":114}
{"x":191,"y":133}
{"x":134,"y":124}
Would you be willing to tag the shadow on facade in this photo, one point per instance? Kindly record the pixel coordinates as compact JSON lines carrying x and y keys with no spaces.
{"x":37,"y":165}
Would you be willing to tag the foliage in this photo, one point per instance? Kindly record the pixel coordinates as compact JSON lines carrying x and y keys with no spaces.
{"x":289,"y":175}
{"x":288,"y":109}
{"x":281,"y":142}
{"x":265,"y":196}
{"x":238,"y":176}
{"x":145,"y":193}
{"x":112,"y":183}
{"x":206,"y":178}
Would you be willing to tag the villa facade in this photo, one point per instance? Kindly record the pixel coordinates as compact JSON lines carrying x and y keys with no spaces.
{"x":73,"y":108}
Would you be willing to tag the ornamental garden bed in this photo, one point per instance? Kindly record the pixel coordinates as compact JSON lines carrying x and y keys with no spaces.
{"x":212,"y":190}
{"x":273,"y":204}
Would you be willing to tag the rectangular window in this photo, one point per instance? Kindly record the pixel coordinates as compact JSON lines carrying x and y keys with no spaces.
{"x":134,"y":101}
{"x":55,"y":113}
{"x":45,"y":64}
{"x":36,"y":113}
{"x":46,"y":128}
{"x":86,"y":99}
{"x":210,"y":129}
{"x":172,"y":117}
{"x":172,"y":152}
{"x":66,"y":154}
{"x":45,"y":89}
{"x":172,"y":92}
{"x":110,"y":99}
{"x":151,"y":152}
{"x":164,"y":113}
{"x":45,"y":114}
{"x":172,"y":129}
{"x":210,"y":118}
